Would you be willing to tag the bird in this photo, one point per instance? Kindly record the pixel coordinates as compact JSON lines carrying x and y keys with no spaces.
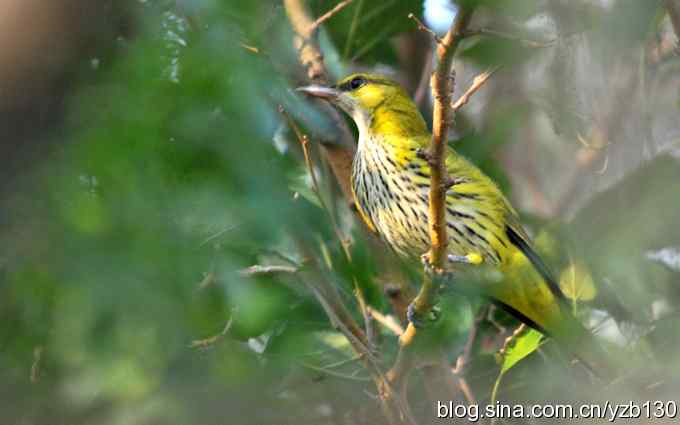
{"x":390,"y":184}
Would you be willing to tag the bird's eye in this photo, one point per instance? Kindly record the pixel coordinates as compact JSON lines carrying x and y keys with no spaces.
{"x":356,"y":83}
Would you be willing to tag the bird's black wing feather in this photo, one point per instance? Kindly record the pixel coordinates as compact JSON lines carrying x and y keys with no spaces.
{"x":536,"y":261}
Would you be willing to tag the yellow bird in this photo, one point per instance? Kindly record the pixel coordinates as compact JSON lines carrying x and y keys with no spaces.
{"x":391,"y":184}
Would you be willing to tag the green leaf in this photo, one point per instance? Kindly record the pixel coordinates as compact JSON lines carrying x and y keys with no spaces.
{"x":363,"y":29}
{"x":522,"y":346}
{"x":576,"y":282}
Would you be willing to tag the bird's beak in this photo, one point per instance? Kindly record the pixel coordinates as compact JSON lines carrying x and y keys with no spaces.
{"x":322,"y":92}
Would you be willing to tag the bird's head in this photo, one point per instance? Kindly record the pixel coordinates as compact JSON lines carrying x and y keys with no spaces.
{"x":373,"y":101}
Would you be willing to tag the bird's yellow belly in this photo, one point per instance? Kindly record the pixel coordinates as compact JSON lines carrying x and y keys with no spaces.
{"x":391,"y":188}
{"x":398,"y":210}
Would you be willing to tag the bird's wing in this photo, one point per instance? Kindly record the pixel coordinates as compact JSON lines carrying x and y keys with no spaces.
{"x":519,"y":239}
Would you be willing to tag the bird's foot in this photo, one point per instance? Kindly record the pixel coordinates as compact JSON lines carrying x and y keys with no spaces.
{"x":427,"y":264}
{"x":421,"y":320}
{"x":440,"y":278}
{"x":471,"y":258}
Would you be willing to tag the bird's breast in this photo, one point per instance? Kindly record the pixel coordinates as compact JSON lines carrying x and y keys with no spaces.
{"x":391,"y":187}
{"x":387,"y":194}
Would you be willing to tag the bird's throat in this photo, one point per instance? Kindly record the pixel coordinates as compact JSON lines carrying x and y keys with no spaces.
{"x":397,"y":119}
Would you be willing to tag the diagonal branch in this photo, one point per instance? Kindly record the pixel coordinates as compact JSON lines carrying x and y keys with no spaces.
{"x":425,"y":28}
{"x":339,"y":155}
{"x":328,"y":15}
{"x":304,"y":143}
{"x":477,"y":84}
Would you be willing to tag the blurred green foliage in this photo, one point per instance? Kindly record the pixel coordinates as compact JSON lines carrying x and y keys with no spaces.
{"x":174,"y":172}
{"x":362,"y":31}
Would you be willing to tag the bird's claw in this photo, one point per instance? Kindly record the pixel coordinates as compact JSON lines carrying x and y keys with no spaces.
{"x":471,"y":258}
{"x":421,"y":320}
{"x":427,"y":264}
{"x":441,"y":277}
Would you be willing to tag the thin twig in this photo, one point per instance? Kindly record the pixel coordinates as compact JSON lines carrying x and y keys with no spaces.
{"x":440,"y":383}
{"x":339,"y":155}
{"x":604,"y":132}
{"x":466,"y":390}
{"x":208,"y":342}
{"x":605,"y":165}
{"x":394,"y":409}
{"x":477,"y":84}
{"x":340,"y":317}
{"x":342,"y":362}
{"x":490,"y":317}
{"x":512,"y":338}
{"x":218,"y":234}
{"x":425,"y":28}
{"x":35,"y":367}
{"x":334,"y":373}
{"x":328,"y":15}
{"x":250,"y":48}
{"x":260,"y":270}
{"x":304,"y":143}
{"x":463,"y":360}
{"x":387,"y":321}
{"x":366,"y":315}
{"x":209,"y":279}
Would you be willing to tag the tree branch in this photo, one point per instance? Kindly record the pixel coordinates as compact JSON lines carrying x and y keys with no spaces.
{"x":206,"y":343}
{"x":260,"y":270}
{"x":425,"y":28}
{"x":442,"y":83}
{"x":35,"y":367}
{"x":338,"y":155}
{"x":328,"y":15}
{"x":304,"y":144}
{"x":442,"y":88}
{"x":387,"y":321}
{"x":477,"y":84}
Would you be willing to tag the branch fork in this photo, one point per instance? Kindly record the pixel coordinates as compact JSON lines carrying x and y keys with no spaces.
{"x":425,"y":28}
{"x":393,"y":384}
{"x":477,"y":84}
{"x":442,"y":82}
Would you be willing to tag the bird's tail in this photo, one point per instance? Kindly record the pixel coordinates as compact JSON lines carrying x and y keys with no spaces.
{"x":571,"y":336}
{"x":529,"y":292}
